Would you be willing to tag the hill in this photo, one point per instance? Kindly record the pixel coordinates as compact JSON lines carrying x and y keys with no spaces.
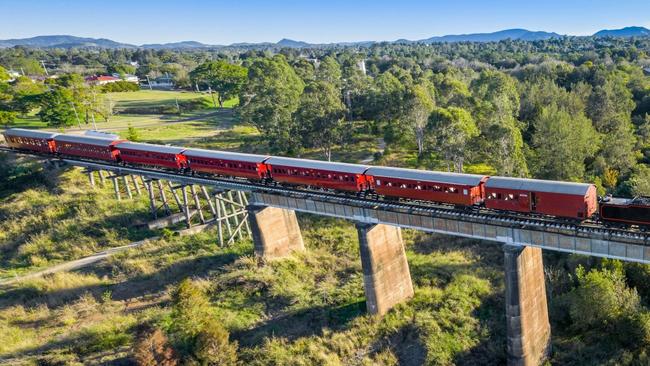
{"x":522,"y":34}
{"x":624,"y":32}
{"x":63,"y":41}
{"x":66,"y":41}
{"x":177,"y":45}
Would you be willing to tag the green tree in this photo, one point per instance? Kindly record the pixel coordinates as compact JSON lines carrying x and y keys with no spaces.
{"x":57,"y":108}
{"x":610,"y":108}
{"x":132,"y":134}
{"x":4,"y":75}
{"x":496,"y":106}
{"x":387,"y":97}
{"x":562,"y":143}
{"x":320,"y":116}
{"x":269,"y":99}
{"x":225,"y":78}
{"x":639,"y":182}
{"x":26,"y":94}
{"x":417,"y":107}
{"x":452,"y":128}
{"x":7,"y":118}
{"x":329,"y":71}
{"x":603,"y":302}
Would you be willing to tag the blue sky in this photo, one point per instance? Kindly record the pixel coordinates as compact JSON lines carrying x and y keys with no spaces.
{"x":225,"y":22}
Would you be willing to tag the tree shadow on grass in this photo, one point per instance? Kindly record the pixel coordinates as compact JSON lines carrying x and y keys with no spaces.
{"x":491,"y":350}
{"x":302,"y":323}
{"x":79,"y":344}
{"x":486,"y":252}
{"x":135,"y":287}
{"x":405,"y":343}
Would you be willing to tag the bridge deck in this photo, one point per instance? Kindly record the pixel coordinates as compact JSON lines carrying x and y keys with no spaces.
{"x":585,"y":239}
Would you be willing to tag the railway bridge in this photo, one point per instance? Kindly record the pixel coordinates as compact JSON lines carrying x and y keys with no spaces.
{"x":268,"y":213}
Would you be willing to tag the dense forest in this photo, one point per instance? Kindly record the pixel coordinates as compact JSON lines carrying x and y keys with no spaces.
{"x":572,"y":108}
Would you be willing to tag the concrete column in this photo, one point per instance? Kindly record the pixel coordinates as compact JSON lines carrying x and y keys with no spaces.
{"x":386,"y":275}
{"x":529,"y":330}
{"x":275,"y":231}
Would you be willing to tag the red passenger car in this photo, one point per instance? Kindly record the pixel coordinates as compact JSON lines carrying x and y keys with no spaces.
{"x":22,"y":139}
{"x":158,"y":156}
{"x":562,"y":199}
{"x":87,"y":147}
{"x":454,"y":188}
{"x":227,"y":163}
{"x":342,"y":176}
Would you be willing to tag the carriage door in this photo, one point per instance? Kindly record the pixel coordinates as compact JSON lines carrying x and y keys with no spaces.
{"x":533,"y":202}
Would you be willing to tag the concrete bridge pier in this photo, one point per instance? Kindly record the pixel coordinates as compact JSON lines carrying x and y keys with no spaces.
{"x":386,"y":275}
{"x":275,"y":231}
{"x":529,"y":331}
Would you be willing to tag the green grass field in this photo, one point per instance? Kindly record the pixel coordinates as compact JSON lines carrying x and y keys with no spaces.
{"x":153,"y":127}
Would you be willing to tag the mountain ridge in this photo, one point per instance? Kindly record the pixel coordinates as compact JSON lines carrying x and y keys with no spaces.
{"x":68,"y":41}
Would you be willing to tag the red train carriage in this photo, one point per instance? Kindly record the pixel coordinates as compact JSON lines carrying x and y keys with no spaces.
{"x":22,"y":139}
{"x":563,"y":199}
{"x":87,"y":147}
{"x":341,"y":176}
{"x":454,"y":188}
{"x":626,"y":210}
{"x":227,"y":163}
{"x":160,"y":156}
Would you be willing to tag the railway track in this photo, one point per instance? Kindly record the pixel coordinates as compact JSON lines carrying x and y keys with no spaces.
{"x":474,"y":214}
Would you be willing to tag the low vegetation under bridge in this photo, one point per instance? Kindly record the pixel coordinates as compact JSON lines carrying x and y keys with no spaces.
{"x":269,"y":216}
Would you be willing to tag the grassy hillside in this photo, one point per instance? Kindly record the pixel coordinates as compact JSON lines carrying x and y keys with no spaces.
{"x":308,"y":309}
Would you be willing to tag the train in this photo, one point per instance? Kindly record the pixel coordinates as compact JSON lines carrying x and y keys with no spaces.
{"x":576,"y":202}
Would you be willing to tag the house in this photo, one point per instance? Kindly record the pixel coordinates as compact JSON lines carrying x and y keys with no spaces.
{"x":101,"y":79}
{"x":127,"y":77}
{"x":162,"y":82}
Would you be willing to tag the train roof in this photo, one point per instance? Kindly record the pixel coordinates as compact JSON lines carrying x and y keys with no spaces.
{"x":150,"y":147}
{"x":89,"y":140}
{"x":426,"y":175}
{"x":21,"y":132}
{"x":318,"y":164}
{"x":538,"y":185}
{"x":225,"y":155}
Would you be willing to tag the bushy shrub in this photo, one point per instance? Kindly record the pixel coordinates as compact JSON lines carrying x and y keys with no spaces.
{"x":200,"y":336}
{"x":152,"y":348}
{"x":213,"y":346}
{"x":601,"y":298}
{"x":190,"y":309}
{"x":603,"y":302}
{"x":120,"y":86}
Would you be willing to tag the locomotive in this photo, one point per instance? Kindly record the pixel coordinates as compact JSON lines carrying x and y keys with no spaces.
{"x":564,"y":200}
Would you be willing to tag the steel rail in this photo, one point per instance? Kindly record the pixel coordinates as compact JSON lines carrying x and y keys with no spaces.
{"x":469,"y":214}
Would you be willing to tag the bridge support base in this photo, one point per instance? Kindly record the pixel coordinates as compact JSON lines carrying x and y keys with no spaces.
{"x":529,"y":331}
{"x":386,"y":275}
{"x":275,"y":231}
